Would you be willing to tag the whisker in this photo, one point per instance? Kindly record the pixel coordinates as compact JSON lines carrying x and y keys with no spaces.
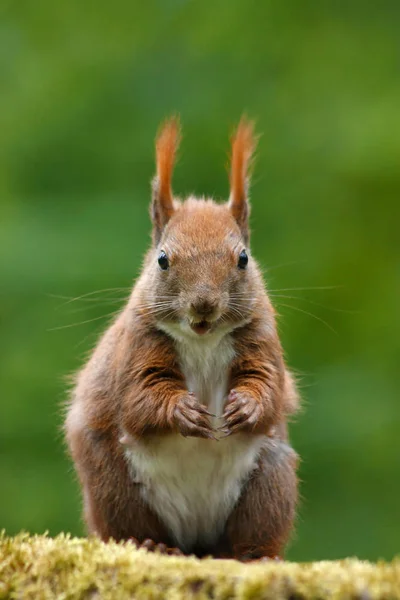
{"x":236,"y":311}
{"x":241,"y":295}
{"x":81,"y":322}
{"x":244,"y":297}
{"x":252,"y":298}
{"x":170,"y":314}
{"x":154,"y":308}
{"x":342,"y":310}
{"x":235,"y":307}
{"x":157,"y":308}
{"x":90,"y":334}
{"x":310,"y":315}
{"x":169,"y":296}
{"x":90,"y":294}
{"x":300,"y":289}
{"x":57,"y":296}
{"x":153,"y":303}
{"x":92,"y":306}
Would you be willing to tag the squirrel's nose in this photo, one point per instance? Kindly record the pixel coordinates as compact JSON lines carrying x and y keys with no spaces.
{"x":203,"y":307}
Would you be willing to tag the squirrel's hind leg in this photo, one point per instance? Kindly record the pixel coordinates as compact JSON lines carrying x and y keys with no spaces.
{"x":122,"y":514}
{"x":114,"y":506}
{"x":262,"y":520}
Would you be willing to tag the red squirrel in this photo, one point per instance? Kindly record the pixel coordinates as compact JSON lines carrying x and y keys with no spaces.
{"x":177,"y":424}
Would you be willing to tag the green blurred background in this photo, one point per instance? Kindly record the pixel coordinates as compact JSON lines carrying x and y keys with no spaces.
{"x":83,"y":89}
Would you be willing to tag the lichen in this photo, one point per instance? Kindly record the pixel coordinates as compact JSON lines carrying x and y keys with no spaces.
{"x":40,"y":568}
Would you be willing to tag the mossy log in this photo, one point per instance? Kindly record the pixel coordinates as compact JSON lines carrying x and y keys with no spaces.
{"x":41,"y":567}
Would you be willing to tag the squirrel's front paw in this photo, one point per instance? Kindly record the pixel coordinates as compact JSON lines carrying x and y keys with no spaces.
{"x":242,"y":413}
{"x":191,"y":418}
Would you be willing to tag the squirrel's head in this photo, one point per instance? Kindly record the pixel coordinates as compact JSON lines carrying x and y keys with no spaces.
{"x":200,"y":276}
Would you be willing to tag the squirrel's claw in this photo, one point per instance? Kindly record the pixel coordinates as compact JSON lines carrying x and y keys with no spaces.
{"x":191,"y":418}
{"x":152,"y":546}
{"x":242,"y":412}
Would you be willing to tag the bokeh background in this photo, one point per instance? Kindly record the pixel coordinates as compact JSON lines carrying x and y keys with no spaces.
{"x":83,"y":89}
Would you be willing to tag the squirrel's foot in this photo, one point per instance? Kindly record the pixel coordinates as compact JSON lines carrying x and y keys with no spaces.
{"x":159,"y":548}
{"x":249,"y":553}
{"x":268,"y":558}
{"x":250,"y":558}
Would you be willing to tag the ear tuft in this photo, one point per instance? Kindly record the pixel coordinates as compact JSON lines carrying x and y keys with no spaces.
{"x":167,"y":143}
{"x":243,"y":146}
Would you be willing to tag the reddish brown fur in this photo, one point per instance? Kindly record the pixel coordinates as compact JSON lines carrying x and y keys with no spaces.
{"x":133,"y":386}
{"x":167,"y":143}
{"x":261,"y":523}
{"x":243,"y":147}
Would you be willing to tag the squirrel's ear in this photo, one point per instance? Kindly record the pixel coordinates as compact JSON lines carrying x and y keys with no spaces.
{"x":243,"y":146}
{"x":162,"y":207}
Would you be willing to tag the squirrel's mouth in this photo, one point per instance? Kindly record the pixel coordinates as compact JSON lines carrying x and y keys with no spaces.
{"x":201,"y":327}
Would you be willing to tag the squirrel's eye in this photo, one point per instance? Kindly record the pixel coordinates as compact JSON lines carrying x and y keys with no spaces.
{"x":243,"y":260}
{"x":163,"y":261}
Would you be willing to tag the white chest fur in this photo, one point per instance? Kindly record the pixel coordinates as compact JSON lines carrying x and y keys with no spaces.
{"x":193,"y":483}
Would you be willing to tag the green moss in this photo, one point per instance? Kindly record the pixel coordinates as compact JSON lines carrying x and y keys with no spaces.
{"x":40,"y":567}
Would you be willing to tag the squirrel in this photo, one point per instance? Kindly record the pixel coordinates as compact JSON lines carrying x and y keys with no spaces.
{"x":177,"y":424}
